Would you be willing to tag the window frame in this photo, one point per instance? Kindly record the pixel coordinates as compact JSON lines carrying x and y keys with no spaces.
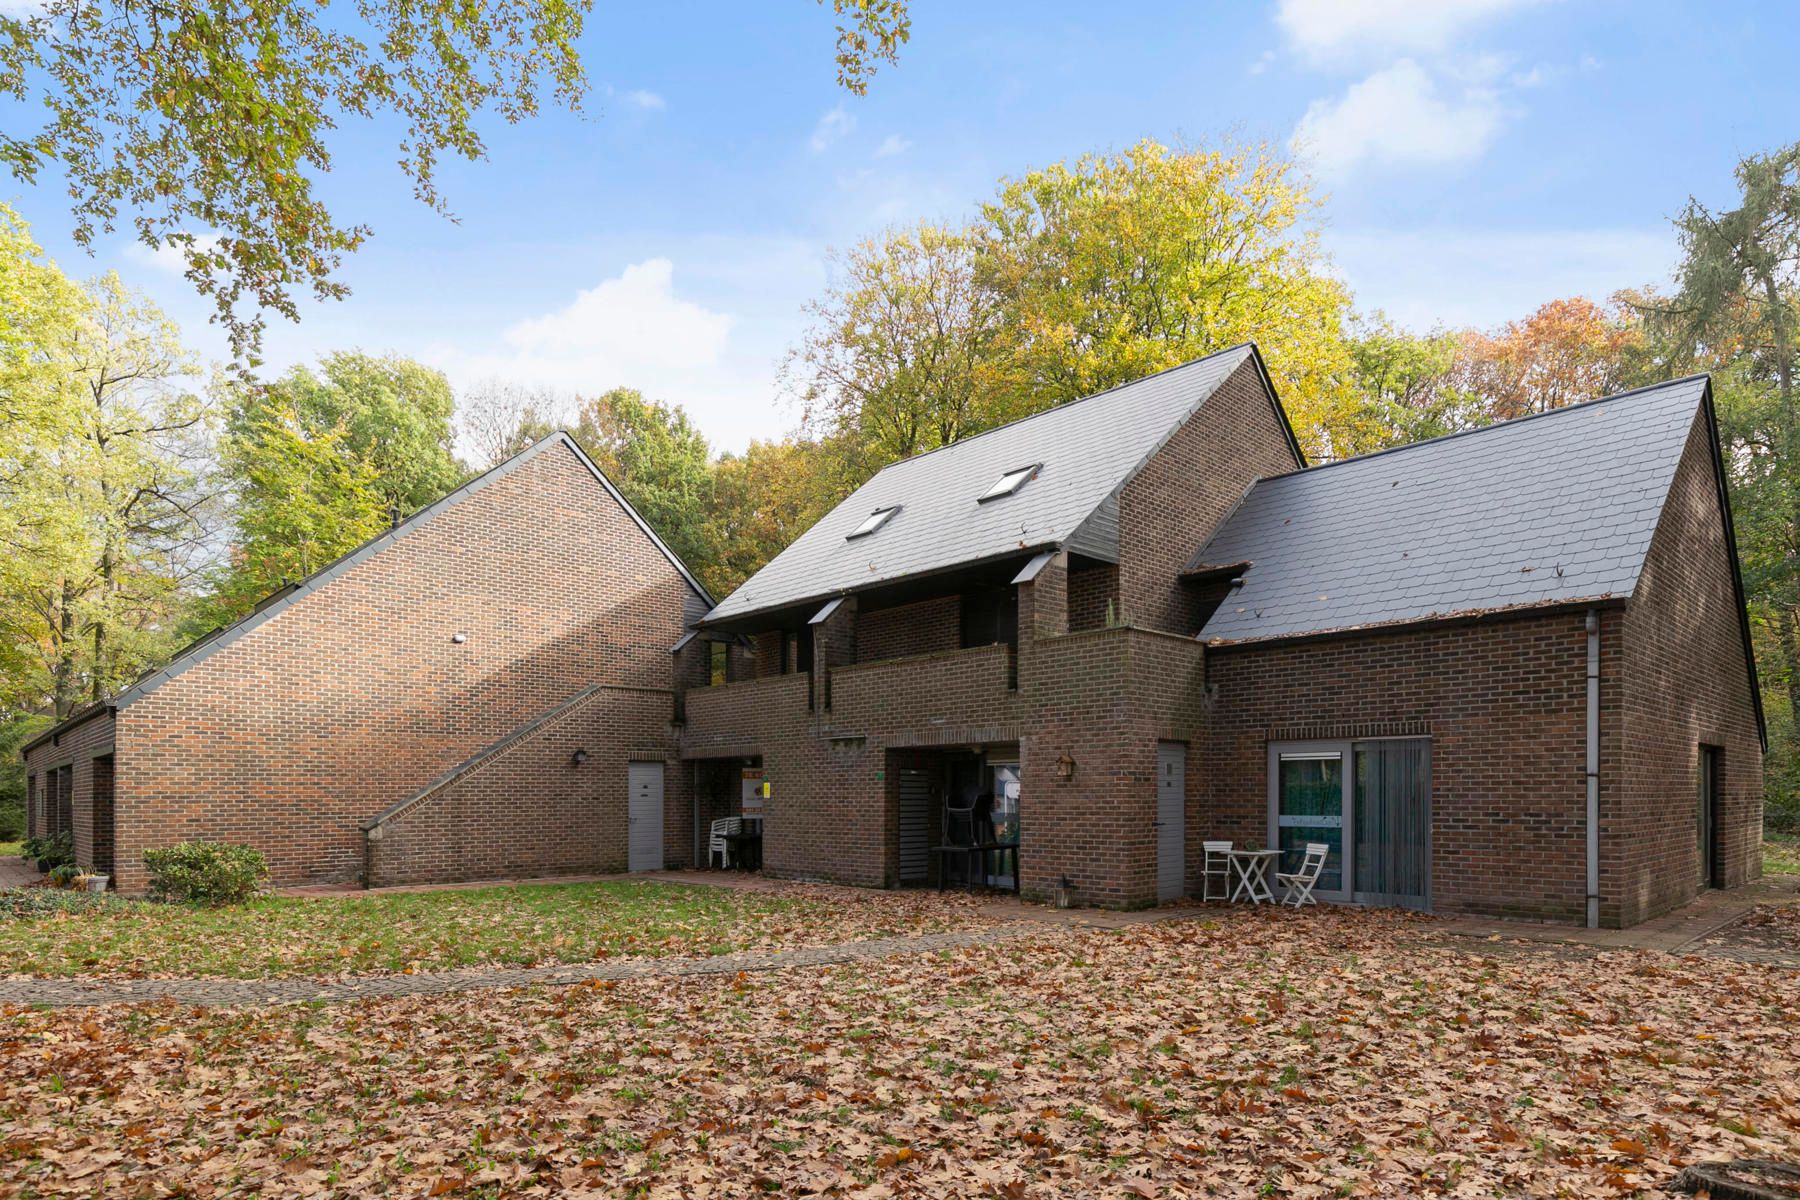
{"x":999,"y":490}
{"x":873,"y":523}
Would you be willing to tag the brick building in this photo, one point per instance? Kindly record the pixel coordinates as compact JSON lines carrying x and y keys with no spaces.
{"x":413,"y":711}
{"x":1502,"y":672}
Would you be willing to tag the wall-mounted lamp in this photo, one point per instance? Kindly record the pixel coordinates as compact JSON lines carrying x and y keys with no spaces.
{"x":459,"y":638}
{"x":1065,"y":766}
{"x":579,"y":757}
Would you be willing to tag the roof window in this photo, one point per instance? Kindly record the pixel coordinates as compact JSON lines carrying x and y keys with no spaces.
{"x":1010,"y":482}
{"x":872,"y":522}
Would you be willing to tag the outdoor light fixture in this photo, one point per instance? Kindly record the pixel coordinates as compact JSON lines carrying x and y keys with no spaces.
{"x":459,"y":638}
{"x":1065,"y":766}
{"x":580,"y":757}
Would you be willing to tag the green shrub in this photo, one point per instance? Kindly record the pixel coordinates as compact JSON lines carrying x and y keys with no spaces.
{"x":63,"y":874}
{"x":212,"y":873}
{"x":25,"y":903}
{"x":57,"y":850}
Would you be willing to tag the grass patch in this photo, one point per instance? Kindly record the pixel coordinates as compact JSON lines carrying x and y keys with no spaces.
{"x":1781,"y":854}
{"x":410,"y":931}
{"x":11,"y":849}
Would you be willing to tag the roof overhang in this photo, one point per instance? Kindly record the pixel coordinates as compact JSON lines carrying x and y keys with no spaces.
{"x":1514,"y":612}
{"x":81,"y":717}
{"x":998,"y":569}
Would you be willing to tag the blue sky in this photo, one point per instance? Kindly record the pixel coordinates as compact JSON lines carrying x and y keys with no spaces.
{"x":1480,"y":157}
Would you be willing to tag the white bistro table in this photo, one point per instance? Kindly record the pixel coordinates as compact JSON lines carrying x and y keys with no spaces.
{"x":1251,"y":869}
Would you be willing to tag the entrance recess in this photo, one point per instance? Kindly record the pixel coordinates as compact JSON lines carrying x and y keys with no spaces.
{"x":1370,"y":803}
{"x":644,"y":844}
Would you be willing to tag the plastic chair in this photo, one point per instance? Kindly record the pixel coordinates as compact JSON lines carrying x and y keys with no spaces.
{"x":1298,"y":885}
{"x":1217,"y":866}
{"x":717,"y":844}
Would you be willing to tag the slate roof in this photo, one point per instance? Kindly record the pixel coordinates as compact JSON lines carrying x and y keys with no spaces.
{"x":1557,"y":507}
{"x":1089,"y":448}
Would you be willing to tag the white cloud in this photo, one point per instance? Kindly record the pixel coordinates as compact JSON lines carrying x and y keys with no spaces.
{"x":1397,"y":116}
{"x":1331,"y":30}
{"x":709,"y":335}
{"x":833,"y":126}
{"x":645,"y":101}
{"x":624,"y":327}
{"x":1484,"y":277}
{"x":168,"y":256}
{"x":891,"y":145}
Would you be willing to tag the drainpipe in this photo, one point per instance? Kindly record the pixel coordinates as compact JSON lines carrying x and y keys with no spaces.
{"x":1593,"y":768}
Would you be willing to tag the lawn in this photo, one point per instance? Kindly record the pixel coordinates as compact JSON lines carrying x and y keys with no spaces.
{"x":11,"y":849}
{"x":1781,"y":854}
{"x":412,"y":931}
{"x":1269,"y":1053}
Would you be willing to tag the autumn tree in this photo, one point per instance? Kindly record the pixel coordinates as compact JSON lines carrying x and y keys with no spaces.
{"x":320,"y":460}
{"x":498,"y":419}
{"x":103,"y":515}
{"x":658,"y":460}
{"x":210,"y":124}
{"x":1736,"y":312}
{"x":1405,"y":382}
{"x":1115,"y":266}
{"x":763,"y":499}
{"x":906,"y":351}
{"x":1567,"y":351}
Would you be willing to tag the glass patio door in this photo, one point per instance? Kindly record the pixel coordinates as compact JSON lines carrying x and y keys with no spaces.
{"x":1392,"y":836}
{"x":1310,"y":802}
{"x":1370,"y":803}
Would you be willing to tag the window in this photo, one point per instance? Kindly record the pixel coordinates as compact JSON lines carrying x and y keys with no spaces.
{"x":872,"y":522}
{"x":990,"y":616}
{"x":1010,"y":482}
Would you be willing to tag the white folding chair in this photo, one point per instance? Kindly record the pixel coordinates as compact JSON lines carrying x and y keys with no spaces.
{"x":1216,"y":865}
{"x":717,"y":844}
{"x":1298,"y":885}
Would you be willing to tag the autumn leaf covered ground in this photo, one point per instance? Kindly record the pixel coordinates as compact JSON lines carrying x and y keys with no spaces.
{"x":1249,"y":1053}
{"x":431,"y":930}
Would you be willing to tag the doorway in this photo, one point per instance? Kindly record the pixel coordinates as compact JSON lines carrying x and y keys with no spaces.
{"x":1369,"y":804}
{"x":644,"y":841}
{"x":1706,"y":817}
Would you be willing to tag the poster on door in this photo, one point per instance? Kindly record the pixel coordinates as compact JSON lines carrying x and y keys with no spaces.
{"x":753,"y":792}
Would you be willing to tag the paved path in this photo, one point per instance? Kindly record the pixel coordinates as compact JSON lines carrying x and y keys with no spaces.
{"x":1694,"y":929}
{"x":70,"y":993}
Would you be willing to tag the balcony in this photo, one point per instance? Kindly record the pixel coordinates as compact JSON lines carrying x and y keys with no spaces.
{"x":949,"y":690}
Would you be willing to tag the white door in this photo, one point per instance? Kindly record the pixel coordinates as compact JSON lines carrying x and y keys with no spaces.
{"x":645,"y":841}
{"x":1171,"y":820}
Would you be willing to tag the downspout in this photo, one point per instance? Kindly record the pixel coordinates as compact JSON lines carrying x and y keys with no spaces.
{"x":1593,"y":768}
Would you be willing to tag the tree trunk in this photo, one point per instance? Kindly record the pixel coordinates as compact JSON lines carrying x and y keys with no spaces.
{"x":64,"y":692}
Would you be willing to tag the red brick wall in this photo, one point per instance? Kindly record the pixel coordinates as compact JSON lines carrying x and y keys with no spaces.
{"x":1504,"y":704}
{"x":1173,"y":505}
{"x":1103,"y":698}
{"x":77,"y":748}
{"x":924,"y":627}
{"x":1685,"y":683}
{"x":529,"y":809}
{"x":355,"y":696}
{"x":1092,"y":590}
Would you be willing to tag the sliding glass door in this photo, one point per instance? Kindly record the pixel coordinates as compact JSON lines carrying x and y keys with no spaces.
{"x":1309,"y":800}
{"x":1369,"y":803}
{"x":1392,"y":800}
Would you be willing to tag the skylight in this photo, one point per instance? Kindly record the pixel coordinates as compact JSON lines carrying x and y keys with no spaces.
{"x":872,"y":522}
{"x":1010,"y":482}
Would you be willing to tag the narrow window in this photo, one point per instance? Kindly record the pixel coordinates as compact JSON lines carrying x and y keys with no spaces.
{"x":1010,"y":482}
{"x":872,"y":522}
